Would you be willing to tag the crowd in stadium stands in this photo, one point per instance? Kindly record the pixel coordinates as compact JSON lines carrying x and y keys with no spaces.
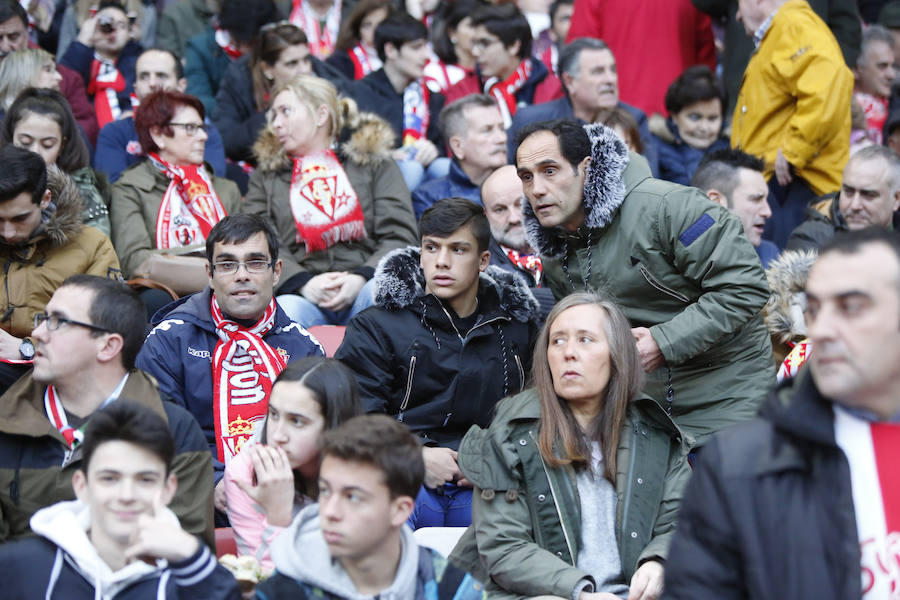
{"x":450,"y":300}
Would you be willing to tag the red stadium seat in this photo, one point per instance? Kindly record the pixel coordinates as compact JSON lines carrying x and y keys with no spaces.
{"x":329,"y":336}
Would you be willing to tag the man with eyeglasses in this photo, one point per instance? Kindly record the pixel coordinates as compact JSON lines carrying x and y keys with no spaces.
{"x":42,"y":241}
{"x":117,"y":145}
{"x":217,"y":352}
{"x":85,"y":344}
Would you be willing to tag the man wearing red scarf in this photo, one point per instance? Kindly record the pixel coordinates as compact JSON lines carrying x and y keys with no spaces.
{"x":105,"y":58}
{"x":505,"y":69}
{"x":218,"y":352}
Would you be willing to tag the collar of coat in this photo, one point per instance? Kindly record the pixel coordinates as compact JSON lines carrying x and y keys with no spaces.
{"x":61,"y":222}
{"x":400,"y":281}
{"x":604,"y":192}
{"x":368,"y":143}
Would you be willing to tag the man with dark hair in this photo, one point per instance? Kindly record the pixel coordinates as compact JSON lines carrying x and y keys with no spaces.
{"x":734,"y":179}
{"x":560,"y":14}
{"x":218,"y":352}
{"x":85,"y":346}
{"x":42,"y":241}
{"x":448,"y":337}
{"x":353,"y":543}
{"x":119,"y":527}
{"x":505,"y":69}
{"x":807,"y":492}
{"x":14,"y":36}
{"x":118,"y":147}
{"x":474,"y":132}
{"x":587,"y":69}
{"x":105,"y":58}
{"x":397,"y":92}
{"x":678,"y":264}
{"x":869,"y":197}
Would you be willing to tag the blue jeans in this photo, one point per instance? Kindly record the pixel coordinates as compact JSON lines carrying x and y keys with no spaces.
{"x":446,"y":506}
{"x":414,"y":174}
{"x":306,"y":313}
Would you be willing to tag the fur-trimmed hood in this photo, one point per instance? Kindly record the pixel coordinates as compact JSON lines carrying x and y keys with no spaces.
{"x":783,"y":313}
{"x":400,"y":282}
{"x":367,"y":144}
{"x":604,"y":192}
{"x":61,"y":220}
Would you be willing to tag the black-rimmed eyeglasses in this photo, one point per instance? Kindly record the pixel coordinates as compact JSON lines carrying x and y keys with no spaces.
{"x":230,"y":267}
{"x":54,"y":322}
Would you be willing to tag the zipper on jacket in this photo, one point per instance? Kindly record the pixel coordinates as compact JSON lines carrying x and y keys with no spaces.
{"x":409,"y":381}
{"x":661,"y":287}
{"x":630,"y":475}
{"x":462,"y":338}
{"x":554,"y":493}
{"x":521,"y":372}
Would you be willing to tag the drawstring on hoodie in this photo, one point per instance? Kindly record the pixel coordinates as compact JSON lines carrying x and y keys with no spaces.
{"x":426,"y":325}
{"x":504,"y":350}
{"x":586,"y":278}
{"x":54,"y":573}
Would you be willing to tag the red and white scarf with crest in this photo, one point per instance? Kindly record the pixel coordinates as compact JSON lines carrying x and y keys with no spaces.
{"x":224,"y":41}
{"x":105,"y":85}
{"x":505,"y":91}
{"x":244,"y":368}
{"x":190,"y":207}
{"x":415,"y":112}
{"x":325,"y":206}
{"x":321,"y":40}
{"x":364,"y":62}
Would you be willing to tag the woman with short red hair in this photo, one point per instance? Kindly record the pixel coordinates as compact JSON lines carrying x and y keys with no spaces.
{"x":172,"y":199}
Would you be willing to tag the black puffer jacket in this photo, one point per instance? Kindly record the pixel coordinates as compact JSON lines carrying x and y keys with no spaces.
{"x":412,"y":363}
{"x":769,"y":510}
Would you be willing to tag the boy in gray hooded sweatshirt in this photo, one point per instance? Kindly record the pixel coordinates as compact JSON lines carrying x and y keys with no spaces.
{"x":354,"y":544}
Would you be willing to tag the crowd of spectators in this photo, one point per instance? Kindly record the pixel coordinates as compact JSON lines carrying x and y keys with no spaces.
{"x":590,"y":257}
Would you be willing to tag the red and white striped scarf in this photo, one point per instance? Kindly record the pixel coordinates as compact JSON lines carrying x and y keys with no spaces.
{"x":505,"y":91}
{"x":57,"y":415}
{"x":527,"y":262}
{"x":224,"y":41}
{"x":871,"y":449}
{"x":415,"y":112}
{"x":190,"y":207}
{"x":363,"y":62}
{"x":321,"y":42}
{"x":325,"y":206}
{"x":105,"y":85}
{"x":244,"y":368}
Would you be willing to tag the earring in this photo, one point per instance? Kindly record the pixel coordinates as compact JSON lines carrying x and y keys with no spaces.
{"x":453,"y":40}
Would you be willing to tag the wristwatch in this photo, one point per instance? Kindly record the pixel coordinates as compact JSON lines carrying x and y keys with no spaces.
{"x":26,"y":349}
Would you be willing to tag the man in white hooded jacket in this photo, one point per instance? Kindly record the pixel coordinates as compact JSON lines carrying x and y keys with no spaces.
{"x":118,"y":539}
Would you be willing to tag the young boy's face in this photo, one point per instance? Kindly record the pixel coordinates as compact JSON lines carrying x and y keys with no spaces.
{"x":123,"y":482}
{"x":451,"y":265}
{"x":356,"y":510}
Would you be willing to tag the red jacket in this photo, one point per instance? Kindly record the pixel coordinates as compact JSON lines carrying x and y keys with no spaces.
{"x":653,"y":42}
{"x":72,"y":87}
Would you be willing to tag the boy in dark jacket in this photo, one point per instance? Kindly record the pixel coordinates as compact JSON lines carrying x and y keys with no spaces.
{"x":448,"y":338}
{"x":353,"y":544}
{"x":118,"y":539}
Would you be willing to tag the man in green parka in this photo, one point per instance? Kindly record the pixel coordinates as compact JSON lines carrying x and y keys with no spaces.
{"x":688,"y":280}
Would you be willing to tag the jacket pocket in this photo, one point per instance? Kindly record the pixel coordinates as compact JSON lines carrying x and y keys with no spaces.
{"x":662,"y":287}
{"x":409,"y":383}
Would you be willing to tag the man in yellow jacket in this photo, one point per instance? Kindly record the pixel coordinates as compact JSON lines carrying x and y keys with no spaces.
{"x":793,"y":108}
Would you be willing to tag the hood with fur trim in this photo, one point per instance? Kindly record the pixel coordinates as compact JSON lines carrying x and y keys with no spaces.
{"x":399,"y":282}
{"x":369,"y":143}
{"x":61,"y":220}
{"x":783,"y":313}
{"x":604,"y":192}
